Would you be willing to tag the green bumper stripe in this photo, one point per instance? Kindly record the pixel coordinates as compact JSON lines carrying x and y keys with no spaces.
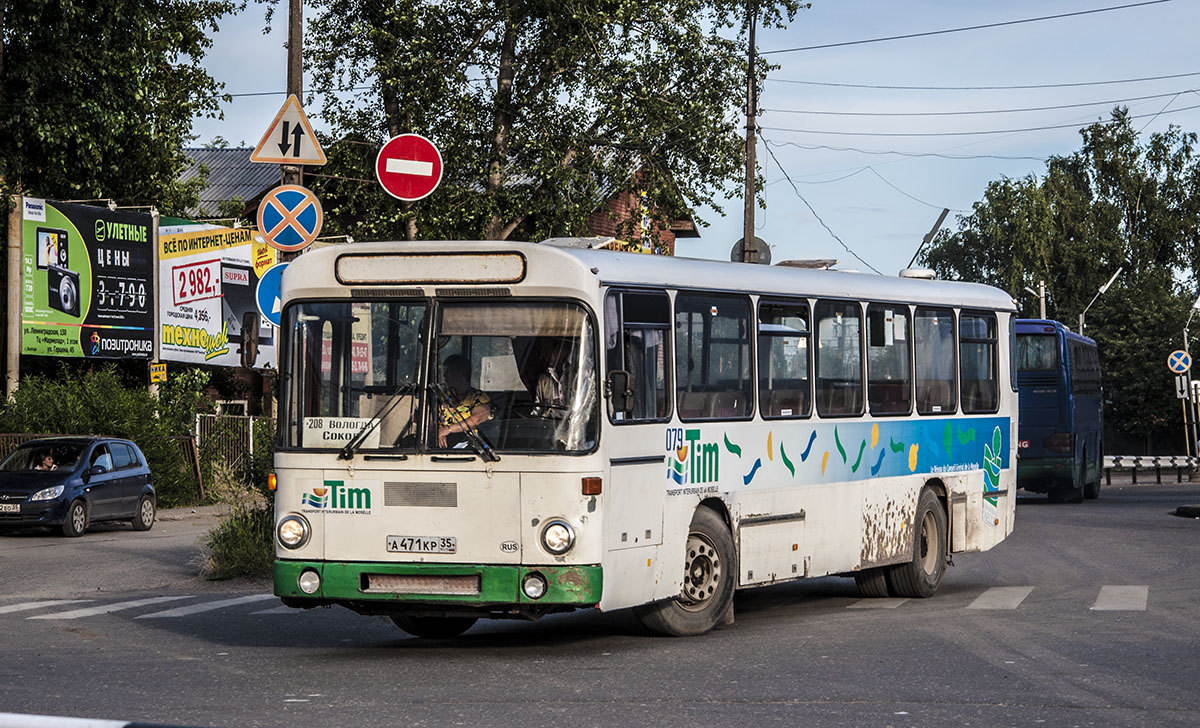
{"x":498,"y":585}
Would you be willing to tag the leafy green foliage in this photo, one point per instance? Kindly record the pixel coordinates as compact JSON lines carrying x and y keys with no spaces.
{"x":98,"y":403}
{"x":97,"y":97}
{"x":542,"y":110}
{"x":1118,"y":202}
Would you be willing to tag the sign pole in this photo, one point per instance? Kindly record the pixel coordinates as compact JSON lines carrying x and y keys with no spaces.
{"x":156,"y":351}
{"x":12,"y":353}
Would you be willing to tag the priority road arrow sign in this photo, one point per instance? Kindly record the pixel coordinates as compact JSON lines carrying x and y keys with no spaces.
{"x":289,"y":139}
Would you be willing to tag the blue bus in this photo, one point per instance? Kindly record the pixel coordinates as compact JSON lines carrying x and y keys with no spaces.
{"x":1060,"y":435}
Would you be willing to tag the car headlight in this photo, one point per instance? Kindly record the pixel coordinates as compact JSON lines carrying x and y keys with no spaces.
{"x":558,"y":537}
{"x":47,"y":493}
{"x":293,"y":531}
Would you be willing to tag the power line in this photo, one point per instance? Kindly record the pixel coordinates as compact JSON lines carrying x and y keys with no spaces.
{"x":928,"y":33}
{"x":979,"y":112}
{"x":914,"y":199}
{"x":813,"y":147}
{"x":814,"y":212}
{"x":963,"y":133}
{"x":986,"y":88}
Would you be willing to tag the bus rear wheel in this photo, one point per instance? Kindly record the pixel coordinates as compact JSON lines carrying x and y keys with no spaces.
{"x":921,"y":576}
{"x":434,"y":628}
{"x":709,"y":578}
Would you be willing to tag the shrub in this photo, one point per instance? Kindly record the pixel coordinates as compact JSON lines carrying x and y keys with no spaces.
{"x":243,"y":543}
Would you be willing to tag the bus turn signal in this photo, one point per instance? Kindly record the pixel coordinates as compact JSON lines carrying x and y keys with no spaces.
{"x":592,"y":486}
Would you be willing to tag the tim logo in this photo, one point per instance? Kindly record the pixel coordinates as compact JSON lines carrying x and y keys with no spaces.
{"x":334,"y":497}
{"x":690,"y":460}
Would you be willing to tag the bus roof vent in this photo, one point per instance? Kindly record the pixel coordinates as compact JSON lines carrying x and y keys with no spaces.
{"x":925,"y":274}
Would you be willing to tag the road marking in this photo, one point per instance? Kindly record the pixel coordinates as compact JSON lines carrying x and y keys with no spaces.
{"x":877,"y":604}
{"x":1001,"y":597}
{"x":281,"y":609}
{"x":107,"y":608}
{"x":396,"y":165}
{"x":1121,"y":599}
{"x":38,"y":605}
{"x":207,"y":606}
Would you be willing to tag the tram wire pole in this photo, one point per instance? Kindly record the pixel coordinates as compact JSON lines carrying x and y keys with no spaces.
{"x":749,"y":251}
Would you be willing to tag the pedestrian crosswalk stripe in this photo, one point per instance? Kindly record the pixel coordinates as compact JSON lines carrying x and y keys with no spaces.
{"x":1001,"y":597}
{"x":1121,"y":599}
{"x":108,"y":608}
{"x":39,"y":605}
{"x":877,"y":603}
{"x":207,"y":606}
{"x":280,"y":610}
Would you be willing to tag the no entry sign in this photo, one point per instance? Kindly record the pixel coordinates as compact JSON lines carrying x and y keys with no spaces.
{"x":409,"y":167}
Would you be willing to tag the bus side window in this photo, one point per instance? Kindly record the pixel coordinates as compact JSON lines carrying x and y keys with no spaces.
{"x":934,"y":370}
{"x":712,"y":356}
{"x":839,"y":379}
{"x":635,"y":339}
{"x":783,"y":360}
{"x":977,"y":362}
{"x":889,"y":384}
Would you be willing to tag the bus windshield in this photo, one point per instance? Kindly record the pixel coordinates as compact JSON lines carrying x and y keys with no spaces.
{"x":1037,"y":352}
{"x":520,"y":376}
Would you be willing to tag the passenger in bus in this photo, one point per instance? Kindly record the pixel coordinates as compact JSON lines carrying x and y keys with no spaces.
{"x":467,"y":408}
{"x":551,"y":391}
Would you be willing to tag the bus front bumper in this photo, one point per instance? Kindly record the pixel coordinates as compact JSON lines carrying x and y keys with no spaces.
{"x":463,"y":585}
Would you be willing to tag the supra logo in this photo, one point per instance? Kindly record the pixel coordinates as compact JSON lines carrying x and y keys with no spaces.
{"x":334,"y":497}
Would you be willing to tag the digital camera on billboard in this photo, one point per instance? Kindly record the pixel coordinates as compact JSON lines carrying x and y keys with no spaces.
{"x":51,"y":248}
{"x":63,"y":289}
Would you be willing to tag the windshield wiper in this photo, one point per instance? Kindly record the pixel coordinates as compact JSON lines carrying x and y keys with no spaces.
{"x":369,"y":426}
{"x":477,"y":441}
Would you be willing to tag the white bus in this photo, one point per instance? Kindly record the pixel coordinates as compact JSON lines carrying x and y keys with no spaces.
{"x":506,"y":430}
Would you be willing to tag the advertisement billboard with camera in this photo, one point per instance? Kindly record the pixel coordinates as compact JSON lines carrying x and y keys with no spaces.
{"x":86,"y":281}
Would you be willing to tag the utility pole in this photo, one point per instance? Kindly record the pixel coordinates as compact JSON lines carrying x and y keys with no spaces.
{"x":292,"y":174}
{"x":1042,"y":299}
{"x":749,"y":251}
{"x":12,"y":364}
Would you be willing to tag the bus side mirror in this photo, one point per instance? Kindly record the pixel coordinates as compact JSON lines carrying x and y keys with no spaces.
{"x":619,"y":393}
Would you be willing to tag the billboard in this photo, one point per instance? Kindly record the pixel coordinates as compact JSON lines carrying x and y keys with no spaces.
{"x":86,"y":281}
{"x":207,"y":276}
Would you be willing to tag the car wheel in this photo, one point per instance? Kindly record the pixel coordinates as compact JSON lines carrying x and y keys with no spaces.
{"x":921,"y":576}
{"x":434,"y":628}
{"x":709,"y":579}
{"x":77,"y":519}
{"x":143,"y":518}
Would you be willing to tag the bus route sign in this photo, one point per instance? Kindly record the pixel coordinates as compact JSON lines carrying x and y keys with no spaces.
{"x":1179,"y":362}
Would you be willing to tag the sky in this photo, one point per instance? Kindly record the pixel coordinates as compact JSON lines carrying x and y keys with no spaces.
{"x":857,"y":182}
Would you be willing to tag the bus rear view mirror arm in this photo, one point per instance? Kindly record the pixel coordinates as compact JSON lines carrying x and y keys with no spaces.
{"x":619,"y":391}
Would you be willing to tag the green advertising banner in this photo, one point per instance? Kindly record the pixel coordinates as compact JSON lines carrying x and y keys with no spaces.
{"x":86,"y":281}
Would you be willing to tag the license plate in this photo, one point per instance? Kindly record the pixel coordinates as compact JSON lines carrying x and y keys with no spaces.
{"x":10,"y":507}
{"x":422,"y":544}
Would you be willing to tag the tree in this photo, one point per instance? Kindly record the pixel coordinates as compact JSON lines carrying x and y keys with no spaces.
{"x":1117,"y":202}
{"x":97,"y":97}
{"x":541,"y":108}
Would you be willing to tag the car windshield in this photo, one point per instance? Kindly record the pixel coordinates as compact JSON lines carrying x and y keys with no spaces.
{"x":43,"y":456}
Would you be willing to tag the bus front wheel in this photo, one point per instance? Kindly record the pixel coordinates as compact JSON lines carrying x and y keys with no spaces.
{"x":710,"y":573}
{"x":434,"y":628}
{"x":921,"y":576}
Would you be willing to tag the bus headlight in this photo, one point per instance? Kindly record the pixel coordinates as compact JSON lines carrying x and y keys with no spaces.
{"x":534,"y":585}
{"x":309,"y":581}
{"x":558,"y":537}
{"x":293,"y":531}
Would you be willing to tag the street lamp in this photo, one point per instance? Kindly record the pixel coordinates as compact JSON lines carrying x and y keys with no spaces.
{"x":1099,"y":293}
{"x":1041,"y":294}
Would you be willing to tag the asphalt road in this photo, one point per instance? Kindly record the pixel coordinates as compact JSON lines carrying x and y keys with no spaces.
{"x":1086,"y":616}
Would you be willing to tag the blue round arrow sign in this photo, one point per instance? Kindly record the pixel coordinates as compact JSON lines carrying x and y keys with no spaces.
{"x":269,"y":292}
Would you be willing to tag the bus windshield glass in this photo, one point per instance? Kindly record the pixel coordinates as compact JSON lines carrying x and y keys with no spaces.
{"x":521,"y":374}
{"x":355,"y":373}
{"x":1037,"y":352}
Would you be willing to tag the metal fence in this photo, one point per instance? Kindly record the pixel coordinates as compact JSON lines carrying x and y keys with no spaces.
{"x":229,"y":438}
{"x":1181,"y":464}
